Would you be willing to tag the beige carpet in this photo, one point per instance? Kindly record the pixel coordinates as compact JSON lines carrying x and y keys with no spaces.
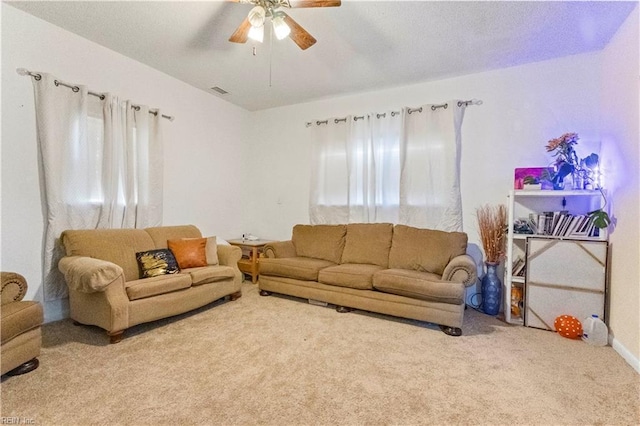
{"x":280,"y":361}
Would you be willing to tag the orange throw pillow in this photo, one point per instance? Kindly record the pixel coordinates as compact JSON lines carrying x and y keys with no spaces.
{"x":189,"y":253}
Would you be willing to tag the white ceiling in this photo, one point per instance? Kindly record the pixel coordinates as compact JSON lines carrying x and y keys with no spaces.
{"x":361,"y":46}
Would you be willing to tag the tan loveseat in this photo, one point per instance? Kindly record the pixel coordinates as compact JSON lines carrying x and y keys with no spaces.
{"x":395,"y":270}
{"x":102,"y":273}
{"x":21,"y":321}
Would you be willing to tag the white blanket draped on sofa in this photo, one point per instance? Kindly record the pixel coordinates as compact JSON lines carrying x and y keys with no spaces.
{"x":399,"y":167}
{"x":101,"y":165}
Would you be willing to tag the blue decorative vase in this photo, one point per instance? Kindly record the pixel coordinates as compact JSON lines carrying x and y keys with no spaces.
{"x":491,"y":290}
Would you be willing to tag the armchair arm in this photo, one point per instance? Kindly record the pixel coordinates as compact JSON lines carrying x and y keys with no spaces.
{"x":89,"y":275}
{"x":280,"y":249}
{"x":14,"y":287}
{"x":461,"y":269}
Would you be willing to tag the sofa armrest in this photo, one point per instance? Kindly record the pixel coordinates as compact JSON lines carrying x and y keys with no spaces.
{"x":89,"y":275}
{"x":461,"y":269}
{"x":229,"y":256}
{"x":14,"y":287}
{"x":278,"y":249}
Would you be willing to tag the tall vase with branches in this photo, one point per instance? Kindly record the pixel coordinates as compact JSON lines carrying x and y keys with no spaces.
{"x":492,"y":223}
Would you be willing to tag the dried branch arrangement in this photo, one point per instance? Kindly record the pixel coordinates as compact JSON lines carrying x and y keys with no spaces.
{"x":492,"y":221}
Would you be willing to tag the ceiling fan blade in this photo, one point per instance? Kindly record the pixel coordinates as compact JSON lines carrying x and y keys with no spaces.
{"x":241,"y":34}
{"x":299,"y":35}
{"x":315,"y":3}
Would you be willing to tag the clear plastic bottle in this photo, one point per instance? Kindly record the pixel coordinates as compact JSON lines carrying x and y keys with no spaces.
{"x":595,"y":331}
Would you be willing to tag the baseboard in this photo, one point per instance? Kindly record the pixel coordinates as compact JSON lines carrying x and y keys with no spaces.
{"x":625,"y":354}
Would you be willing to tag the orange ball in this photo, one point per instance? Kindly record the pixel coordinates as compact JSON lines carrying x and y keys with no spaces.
{"x":568,"y":326}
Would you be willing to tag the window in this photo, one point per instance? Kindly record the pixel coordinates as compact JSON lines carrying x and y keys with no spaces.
{"x":389,"y":167}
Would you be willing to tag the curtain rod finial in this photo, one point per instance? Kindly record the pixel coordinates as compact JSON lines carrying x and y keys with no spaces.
{"x":22,"y":71}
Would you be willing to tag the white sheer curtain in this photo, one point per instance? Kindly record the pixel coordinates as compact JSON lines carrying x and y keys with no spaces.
{"x":133,"y":168}
{"x":430,"y":162}
{"x":386,"y":131}
{"x":101,"y":167}
{"x":399,"y":167}
{"x":329,"y":195}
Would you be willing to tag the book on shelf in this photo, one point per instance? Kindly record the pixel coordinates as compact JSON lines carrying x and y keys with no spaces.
{"x":543,"y":222}
{"x":518,"y":266}
{"x":586,"y":229}
{"x":576,"y":224}
{"x":562,"y":224}
{"x":540,"y":220}
{"x":566,"y":222}
{"x":557,"y":219}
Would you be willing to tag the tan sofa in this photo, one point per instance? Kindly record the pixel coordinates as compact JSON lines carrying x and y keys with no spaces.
{"x":105,"y":290}
{"x":395,"y":270}
{"x":21,"y":321}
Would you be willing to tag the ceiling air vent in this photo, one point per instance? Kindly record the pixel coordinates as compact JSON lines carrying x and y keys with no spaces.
{"x":219,"y":90}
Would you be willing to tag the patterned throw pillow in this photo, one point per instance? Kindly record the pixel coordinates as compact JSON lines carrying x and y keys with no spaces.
{"x":156,"y":262}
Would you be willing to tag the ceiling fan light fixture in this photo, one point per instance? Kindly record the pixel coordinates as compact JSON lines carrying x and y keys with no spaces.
{"x":257,"y":16}
{"x":256,"y":33}
{"x":280,"y":28}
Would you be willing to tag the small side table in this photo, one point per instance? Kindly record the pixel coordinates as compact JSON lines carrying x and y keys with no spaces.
{"x":251,"y":251}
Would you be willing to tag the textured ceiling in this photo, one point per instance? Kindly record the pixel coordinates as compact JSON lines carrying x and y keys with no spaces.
{"x":361,"y":46}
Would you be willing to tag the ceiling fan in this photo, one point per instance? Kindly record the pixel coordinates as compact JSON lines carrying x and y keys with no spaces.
{"x":283,"y":25}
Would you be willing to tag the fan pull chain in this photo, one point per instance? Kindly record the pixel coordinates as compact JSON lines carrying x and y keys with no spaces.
{"x":270,"y":54}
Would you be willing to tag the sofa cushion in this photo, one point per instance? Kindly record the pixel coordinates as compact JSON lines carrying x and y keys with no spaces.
{"x":359,"y":276}
{"x":18,"y":317}
{"x":147,"y":287}
{"x":301,"y":268}
{"x":425,"y":250}
{"x":189,"y":252}
{"x":209,"y":274}
{"x":118,"y":246}
{"x":368,"y":243}
{"x":156,"y":262}
{"x":319,"y":241}
{"x":418,"y":285}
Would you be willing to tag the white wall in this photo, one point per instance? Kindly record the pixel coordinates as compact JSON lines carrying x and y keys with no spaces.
{"x":203,"y":146}
{"x":621,"y":136}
